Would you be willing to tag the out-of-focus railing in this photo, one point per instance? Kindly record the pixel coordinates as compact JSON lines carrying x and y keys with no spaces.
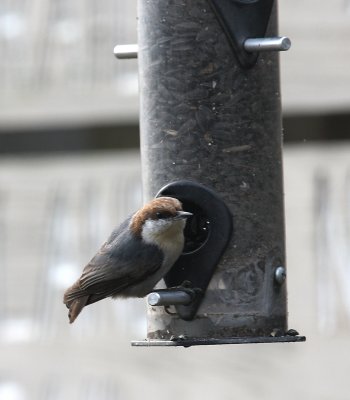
{"x":57,"y":61}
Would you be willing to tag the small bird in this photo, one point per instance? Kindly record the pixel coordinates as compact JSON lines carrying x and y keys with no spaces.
{"x":135,"y":257}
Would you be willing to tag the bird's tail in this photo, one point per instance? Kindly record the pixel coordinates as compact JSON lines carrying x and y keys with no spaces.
{"x":75,"y":299}
{"x":76,"y":307}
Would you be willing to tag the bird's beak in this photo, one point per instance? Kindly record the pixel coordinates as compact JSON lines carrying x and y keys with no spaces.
{"x":183,"y":215}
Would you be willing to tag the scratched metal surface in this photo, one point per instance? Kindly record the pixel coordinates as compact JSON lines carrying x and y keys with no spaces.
{"x":197,"y":108}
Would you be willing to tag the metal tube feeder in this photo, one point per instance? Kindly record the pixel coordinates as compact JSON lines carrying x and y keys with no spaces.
{"x":208,"y":118}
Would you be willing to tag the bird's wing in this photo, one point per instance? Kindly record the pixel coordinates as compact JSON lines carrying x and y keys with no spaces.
{"x":121,"y":262}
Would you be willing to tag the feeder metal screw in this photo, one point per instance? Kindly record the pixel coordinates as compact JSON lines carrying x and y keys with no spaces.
{"x":280,"y":275}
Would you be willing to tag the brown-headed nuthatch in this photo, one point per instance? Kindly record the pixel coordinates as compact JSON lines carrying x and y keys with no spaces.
{"x":136,"y":256}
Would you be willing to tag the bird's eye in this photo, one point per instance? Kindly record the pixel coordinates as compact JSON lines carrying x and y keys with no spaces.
{"x":163,"y":214}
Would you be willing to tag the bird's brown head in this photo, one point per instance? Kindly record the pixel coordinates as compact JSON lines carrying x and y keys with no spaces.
{"x":161,"y":208}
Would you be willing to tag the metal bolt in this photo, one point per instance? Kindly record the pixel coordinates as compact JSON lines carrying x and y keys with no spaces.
{"x":280,"y":275}
{"x":169,"y":297}
{"x":125,"y":51}
{"x":267,"y":44}
{"x":292,"y":332}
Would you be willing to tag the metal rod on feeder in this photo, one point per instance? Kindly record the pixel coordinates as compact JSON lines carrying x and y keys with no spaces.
{"x":126,"y":51}
{"x":267,"y":44}
{"x":169,"y":297}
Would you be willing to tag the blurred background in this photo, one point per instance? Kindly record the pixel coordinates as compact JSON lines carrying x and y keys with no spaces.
{"x":70,"y":171}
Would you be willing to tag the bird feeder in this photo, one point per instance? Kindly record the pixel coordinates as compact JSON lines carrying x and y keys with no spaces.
{"x":211,"y":136}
